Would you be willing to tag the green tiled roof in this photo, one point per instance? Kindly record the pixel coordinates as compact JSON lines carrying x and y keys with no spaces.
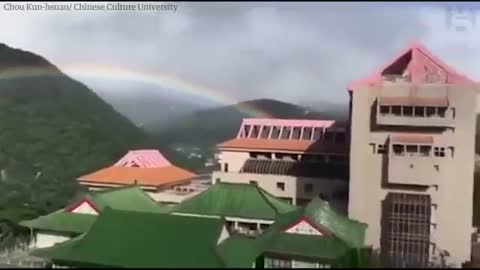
{"x":239,"y":251}
{"x":134,"y":239}
{"x":320,"y":213}
{"x":123,"y":198}
{"x":61,"y":221}
{"x":235,"y":200}
{"x":343,"y":248}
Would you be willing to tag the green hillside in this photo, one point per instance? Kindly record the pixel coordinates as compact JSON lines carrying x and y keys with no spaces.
{"x":52,"y":129}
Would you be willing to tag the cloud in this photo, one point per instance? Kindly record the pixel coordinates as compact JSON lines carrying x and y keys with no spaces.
{"x":289,"y":51}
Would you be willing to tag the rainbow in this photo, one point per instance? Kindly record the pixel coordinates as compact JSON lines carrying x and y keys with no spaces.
{"x":164,"y":80}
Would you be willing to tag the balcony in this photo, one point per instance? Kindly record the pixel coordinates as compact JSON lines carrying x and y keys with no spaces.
{"x":413,"y":170}
{"x":415,"y":159}
{"x":414,"y":111}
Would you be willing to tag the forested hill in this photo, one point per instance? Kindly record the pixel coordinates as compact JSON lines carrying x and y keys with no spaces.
{"x":52,"y":129}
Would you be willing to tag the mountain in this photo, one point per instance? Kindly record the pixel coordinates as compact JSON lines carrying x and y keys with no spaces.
{"x":329,"y":109}
{"x":198,"y":133}
{"x":52,"y":129}
{"x":150,"y":108}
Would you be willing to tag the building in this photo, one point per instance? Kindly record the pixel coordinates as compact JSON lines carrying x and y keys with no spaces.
{"x":296,"y":160}
{"x":128,"y":239}
{"x":412,"y":158}
{"x":246,"y":208}
{"x":314,"y":237}
{"x":147,"y":168}
{"x":77,"y":217}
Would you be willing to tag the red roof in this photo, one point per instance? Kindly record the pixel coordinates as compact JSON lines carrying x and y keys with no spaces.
{"x":297,"y":146}
{"x":421,"y":64}
{"x":165,"y":176}
{"x":142,"y":167}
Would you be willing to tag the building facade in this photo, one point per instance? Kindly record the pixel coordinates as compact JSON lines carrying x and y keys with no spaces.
{"x":296,"y":160}
{"x":412,"y":159}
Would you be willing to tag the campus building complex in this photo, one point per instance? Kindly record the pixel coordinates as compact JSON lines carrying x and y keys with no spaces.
{"x":402,"y":167}
{"x":412,"y":159}
{"x":296,"y":160}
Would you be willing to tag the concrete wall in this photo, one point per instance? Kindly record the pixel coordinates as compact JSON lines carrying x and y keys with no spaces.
{"x":294,"y":186}
{"x":454,"y":183}
{"x":44,"y":239}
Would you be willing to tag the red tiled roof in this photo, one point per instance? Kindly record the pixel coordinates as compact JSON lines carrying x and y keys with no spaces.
{"x":412,"y":138}
{"x":421,"y":57}
{"x":282,"y":145}
{"x":163,"y":176}
{"x":143,"y":167}
{"x":413,"y":101}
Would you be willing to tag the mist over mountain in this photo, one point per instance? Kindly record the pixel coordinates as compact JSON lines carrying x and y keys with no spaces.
{"x":149,"y":108}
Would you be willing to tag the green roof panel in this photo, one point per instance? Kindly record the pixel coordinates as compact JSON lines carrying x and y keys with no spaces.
{"x":131,"y":198}
{"x":134,"y":239}
{"x":235,"y":200}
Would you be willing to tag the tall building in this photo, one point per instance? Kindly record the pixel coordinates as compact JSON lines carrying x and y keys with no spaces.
{"x":296,"y":160}
{"x":412,"y":159}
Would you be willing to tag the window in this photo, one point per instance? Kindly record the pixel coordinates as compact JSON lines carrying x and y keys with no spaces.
{"x":430,"y":111}
{"x":373,"y":147}
{"x":255,"y":132}
{"x":317,"y":134}
{"x":253,"y":182}
{"x":408,"y":111}
{"x":296,"y":133}
{"x":275,"y":132}
{"x":419,"y":111}
{"x":425,"y":150}
{"x":308,"y":188}
{"x":381,"y":149}
{"x":442,"y":111}
{"x":277,"y":263}
{"x":384,"y":109}
{"x":281,"y":186}
{"x":286,"y":133}
{"x":253,"y":154}
{"x":439,"y":151}
{"x":396,"y":110}
{"x":217,"y":180}
{"x":265,"y":132}
{"x":405,"y":231}
{"x":453,"y":112}
{"x":398,"y":149}
{"x":451,"y":149}
{"x":412,"y":148}
{"x":225,"y":167}
{"x":246,"y":130}
{"x":307,"y":133}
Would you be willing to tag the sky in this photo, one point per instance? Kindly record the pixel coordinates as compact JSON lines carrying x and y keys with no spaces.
{"x":290,"y":51}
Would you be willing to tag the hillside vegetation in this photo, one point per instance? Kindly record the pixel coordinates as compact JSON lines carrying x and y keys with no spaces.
{"x":52,"y":129}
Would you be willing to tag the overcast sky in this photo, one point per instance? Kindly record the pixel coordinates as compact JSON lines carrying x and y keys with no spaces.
{"x":290,"y":51}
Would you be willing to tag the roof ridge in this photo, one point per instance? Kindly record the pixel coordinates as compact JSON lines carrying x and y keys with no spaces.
{"x":265,"y":196}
